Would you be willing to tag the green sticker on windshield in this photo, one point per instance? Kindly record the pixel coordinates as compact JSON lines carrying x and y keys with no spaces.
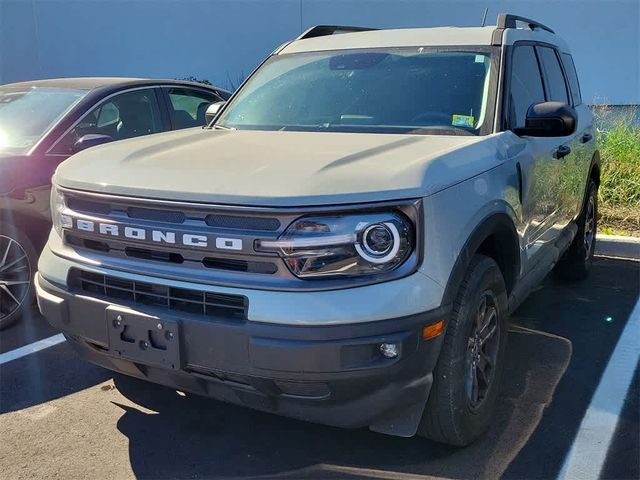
{"x":462,"y":120}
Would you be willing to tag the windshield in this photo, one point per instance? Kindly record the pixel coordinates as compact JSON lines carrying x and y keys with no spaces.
{"x":391,"y":90}
{"x":27,"y":113}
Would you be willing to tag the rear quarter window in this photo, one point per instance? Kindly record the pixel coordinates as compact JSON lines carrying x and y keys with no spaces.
{"x":572,"y":77}
{"x":554,"y":79}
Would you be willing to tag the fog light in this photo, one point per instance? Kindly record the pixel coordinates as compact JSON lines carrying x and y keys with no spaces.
{"x":389,"y":350}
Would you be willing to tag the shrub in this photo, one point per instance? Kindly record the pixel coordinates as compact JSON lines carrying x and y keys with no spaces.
{"x":619,"y":145}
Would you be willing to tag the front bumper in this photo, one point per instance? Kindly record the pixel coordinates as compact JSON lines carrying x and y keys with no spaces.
{"x":332,"y":374}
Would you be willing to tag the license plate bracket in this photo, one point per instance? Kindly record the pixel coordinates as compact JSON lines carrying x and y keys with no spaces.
{"x":143,"y":338}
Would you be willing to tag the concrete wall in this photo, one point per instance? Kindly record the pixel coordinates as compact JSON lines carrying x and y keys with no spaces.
{"x":223,"y":40}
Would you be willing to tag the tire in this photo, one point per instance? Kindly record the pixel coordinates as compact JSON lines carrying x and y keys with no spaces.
{"x":18,"y":260}
{"x":457,"y":413}
{"x":576,"y":262}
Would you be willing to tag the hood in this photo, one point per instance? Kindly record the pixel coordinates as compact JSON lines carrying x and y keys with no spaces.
{"x":278,"y":168}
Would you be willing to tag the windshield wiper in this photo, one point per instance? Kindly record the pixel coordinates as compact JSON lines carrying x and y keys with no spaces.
{"x":442,"y":130}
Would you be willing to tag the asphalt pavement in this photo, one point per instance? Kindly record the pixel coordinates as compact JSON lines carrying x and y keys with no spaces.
{"x":63,"y":418}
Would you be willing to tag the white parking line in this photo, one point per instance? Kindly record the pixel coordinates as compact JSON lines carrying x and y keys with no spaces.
{"x":31,"y":348}
{"x":591,"y":445}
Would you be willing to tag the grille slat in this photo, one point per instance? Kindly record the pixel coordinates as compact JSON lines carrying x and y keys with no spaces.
{"x":171,"y":298}
{"x":217,"y":220}
{"x":88,"y":206}
{"x":240,"y":222}
{"x":156,"y":215}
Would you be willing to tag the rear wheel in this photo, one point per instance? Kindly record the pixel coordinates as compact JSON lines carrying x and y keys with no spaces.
{"x":17,"y":267}
{"x":576,"y":261}
{"x":467,"y":376}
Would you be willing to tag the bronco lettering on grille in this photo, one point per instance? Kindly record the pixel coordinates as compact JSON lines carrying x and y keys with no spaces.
{"x":157,"y":236}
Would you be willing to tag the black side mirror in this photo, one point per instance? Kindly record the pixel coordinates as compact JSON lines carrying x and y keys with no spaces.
{"x":549,"y":119}
{"x":212,"y":111}
{"x":90,"y":140}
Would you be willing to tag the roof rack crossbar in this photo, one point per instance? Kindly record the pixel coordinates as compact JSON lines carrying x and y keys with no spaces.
{"x":323,"y":30}
{"x":507,"y":20}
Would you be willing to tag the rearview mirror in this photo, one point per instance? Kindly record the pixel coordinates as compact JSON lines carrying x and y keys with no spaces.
{"x":212,"y":111}
{"x":549,"y":119}
{"x":90,"y":140}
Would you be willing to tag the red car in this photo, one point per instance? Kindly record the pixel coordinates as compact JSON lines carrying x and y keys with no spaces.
{"x":44,"y":122}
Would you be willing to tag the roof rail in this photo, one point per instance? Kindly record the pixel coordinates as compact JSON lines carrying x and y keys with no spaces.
{"x":507,"y":20}
{"x":323,"y":30}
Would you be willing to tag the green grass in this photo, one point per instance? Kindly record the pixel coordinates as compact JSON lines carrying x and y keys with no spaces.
{"x":619,"y":145}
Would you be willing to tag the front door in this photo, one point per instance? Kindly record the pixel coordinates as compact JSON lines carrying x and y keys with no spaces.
{"x":537,"y":158}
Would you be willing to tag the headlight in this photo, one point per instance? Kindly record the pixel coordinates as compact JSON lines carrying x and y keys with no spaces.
{"x":58,"y":207}
{"x":350,"y":245}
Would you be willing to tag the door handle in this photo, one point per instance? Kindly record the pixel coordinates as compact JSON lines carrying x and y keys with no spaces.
{"x":562,"y":151}
{"x":586,"y":138}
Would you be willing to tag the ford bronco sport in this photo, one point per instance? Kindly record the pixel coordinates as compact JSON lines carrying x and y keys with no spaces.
{"x":345,"y":241}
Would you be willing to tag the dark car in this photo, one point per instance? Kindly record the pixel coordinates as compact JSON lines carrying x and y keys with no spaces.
{"x":44,"y":122}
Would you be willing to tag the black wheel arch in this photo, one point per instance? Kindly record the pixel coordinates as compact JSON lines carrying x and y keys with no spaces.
{"x":594,"y":174}
{"x":596,"y":167}
{"x":594,"y":171}
{"x":496,"y":237}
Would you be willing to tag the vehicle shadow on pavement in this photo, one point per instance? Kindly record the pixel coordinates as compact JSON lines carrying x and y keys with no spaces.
{"x":50,"y":374}
{"x":192,"y":436}
{"x":30,"y":328}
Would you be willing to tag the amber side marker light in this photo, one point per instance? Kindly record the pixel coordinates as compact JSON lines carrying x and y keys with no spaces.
{"x":433,"y":330}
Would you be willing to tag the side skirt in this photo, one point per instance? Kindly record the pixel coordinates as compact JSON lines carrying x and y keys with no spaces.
{"x":544,"y":265}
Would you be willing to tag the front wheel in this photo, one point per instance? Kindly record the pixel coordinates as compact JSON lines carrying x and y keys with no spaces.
{"x":467,"y":376}
{"x":576,"y":261}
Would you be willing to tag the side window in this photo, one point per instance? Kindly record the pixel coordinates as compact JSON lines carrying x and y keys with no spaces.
{"x":526,"y":85}
{"x":572,"y":76}
{"x":127,"y":115}
{"x":188,"y":107}
{"x":556,"y":85}
{"x":107,"y":115}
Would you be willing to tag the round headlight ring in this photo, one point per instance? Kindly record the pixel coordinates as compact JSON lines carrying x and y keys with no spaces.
{"x":377,"y":239}
{"x":367,"y":252}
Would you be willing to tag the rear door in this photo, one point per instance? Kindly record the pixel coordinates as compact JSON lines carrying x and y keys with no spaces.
{"x":583,"y":147}
{"x":570,"y":167}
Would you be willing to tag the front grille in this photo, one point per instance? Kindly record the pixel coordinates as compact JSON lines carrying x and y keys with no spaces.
{"x":215,"y":263}
{"x":196,"y":302}
{"x":227,"y":256}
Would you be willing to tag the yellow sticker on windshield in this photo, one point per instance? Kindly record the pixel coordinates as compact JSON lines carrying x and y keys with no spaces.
{"x":462,"y":120}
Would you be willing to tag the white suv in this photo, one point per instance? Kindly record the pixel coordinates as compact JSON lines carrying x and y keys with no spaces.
{"x":346,"y":240}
